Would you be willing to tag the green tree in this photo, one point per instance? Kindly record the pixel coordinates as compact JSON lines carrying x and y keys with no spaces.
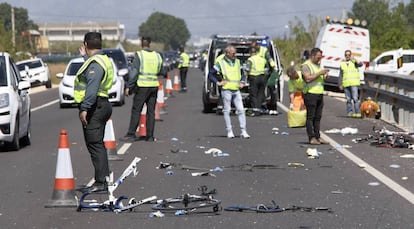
{"x":21,"y":20}
{"x":6,"y":39}
{"x":166,"y":29}
{"x":300,"y":39}
{"x":388,"y":23}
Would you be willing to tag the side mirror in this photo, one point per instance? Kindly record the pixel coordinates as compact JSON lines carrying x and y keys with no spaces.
{"x":24,"y":85}
{"x":59,"y":75}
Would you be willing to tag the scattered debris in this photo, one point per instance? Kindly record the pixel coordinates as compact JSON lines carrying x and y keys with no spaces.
{"x":362,"y":166}
{"x":373,"y":183}
{"x":157,"y":214}
{"x":407,"y":156}
{"x":343,"y":131}
{"x":295,"y":164}
{"x":275,"y":130}
{"x":203,"y":174}
{"x":395,"y":166}
{"x":313,"y":153}
{"x":336,"y":192}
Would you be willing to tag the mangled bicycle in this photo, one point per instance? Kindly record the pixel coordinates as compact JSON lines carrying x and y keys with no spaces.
{"x":114,"y":204}
{"x":189,"y":203}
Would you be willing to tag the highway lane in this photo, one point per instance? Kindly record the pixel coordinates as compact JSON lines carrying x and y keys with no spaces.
{"x":333,"y":181}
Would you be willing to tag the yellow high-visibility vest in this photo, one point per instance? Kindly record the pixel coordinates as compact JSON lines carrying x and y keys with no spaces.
{"x":316,"y":86}
{"x":231,"y":73}
{"x":258,"y":65}
{"x":106,"y":82}
{"x":350,"y":74}
{"x":150,"y":66}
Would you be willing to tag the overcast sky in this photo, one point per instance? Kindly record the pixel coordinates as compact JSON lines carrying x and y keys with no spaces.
{"x":203,"y":17}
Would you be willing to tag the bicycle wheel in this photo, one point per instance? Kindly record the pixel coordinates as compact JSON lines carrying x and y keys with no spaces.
{"x":188,"y":203}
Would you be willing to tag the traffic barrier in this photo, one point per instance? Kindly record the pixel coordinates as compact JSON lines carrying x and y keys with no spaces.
{"x":168,"y":86}
{"x":110,"y":142}
{"x":142,"y":127}
{"x":176,"y":85}
{"x":64,"y":188}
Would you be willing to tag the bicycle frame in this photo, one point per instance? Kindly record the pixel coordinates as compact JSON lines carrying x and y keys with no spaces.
{"x":114,"y":204}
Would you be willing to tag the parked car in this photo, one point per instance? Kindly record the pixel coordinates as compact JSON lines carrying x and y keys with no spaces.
{"x":36,"y":71}
{"x":66,"y":86}
{"x":400,"y":61}
{"x":14,"y":105}
{"x":242,"y":44}
{"x":119,"y":57}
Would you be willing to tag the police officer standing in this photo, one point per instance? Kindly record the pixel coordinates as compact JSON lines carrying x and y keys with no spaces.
{"x":314,"y":77}
{"x":143,"y":79}
{"x":184,"y":63}
{"x":93,"y":80}
{"x":256,"y":67}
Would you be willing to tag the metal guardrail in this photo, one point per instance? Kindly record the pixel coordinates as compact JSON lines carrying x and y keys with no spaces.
{"x":394,"y":93}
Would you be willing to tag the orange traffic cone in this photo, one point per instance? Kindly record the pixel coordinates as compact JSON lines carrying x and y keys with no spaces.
{"x":110,"y":142}
{"x":160,"y":99}
{"x":142,"y":127}
{"x":176,"y":85}
{"x":168,"y":86}
{"x":64,"y":188}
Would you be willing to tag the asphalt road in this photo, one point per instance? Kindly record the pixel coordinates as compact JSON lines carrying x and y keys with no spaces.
{"x":364,"y":186}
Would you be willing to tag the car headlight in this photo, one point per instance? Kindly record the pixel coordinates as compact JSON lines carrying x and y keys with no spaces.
{"x":4,"y":100}
{"x":67,"y":85}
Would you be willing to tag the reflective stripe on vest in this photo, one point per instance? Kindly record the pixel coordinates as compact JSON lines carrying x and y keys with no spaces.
{"x":231,"y":74}
{"x":150,"y":66}
{"x":350,"y":74}
{"x":184,"y":60}
{"x":106,"y":82}
{"x":316,"y":86}
{"x":258,"y":65}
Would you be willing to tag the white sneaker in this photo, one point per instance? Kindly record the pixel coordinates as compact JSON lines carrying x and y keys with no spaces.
{"x":230,"y":134}
{"x":244,"y":134}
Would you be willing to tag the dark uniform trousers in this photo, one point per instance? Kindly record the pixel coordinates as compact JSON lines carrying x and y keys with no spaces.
{"x":257,"y":88}
{"x":94,"y":133}
{"x":143,"y":95}
{"x":314,"y":106}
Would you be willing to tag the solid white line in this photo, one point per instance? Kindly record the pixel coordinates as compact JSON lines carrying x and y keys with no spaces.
{"x":124,"y":148}
{"x":45,"y":105}
{"x":400,"y":190}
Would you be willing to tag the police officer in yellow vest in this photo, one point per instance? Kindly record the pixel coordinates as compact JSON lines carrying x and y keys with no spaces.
{"x":93,"y":80}
{"x":295,"y":88}
{"x":314,"y":77}
{"x":349,"y":80}
{"x":143,"y":79}
{"x":231,"y":80}
{"x":256,"y":69}
{"x":184,"y":63}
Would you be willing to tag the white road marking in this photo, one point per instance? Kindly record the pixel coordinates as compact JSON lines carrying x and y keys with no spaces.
{"x":45,"y":105}
{"x":400,"y":190}
{"x":124,"y":148}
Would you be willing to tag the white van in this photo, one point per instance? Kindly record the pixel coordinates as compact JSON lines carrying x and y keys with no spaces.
{"x":399,"y":61}
{"x":333,"y":39}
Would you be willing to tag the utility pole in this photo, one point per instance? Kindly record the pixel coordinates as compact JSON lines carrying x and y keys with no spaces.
{"x":13,"y":29}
